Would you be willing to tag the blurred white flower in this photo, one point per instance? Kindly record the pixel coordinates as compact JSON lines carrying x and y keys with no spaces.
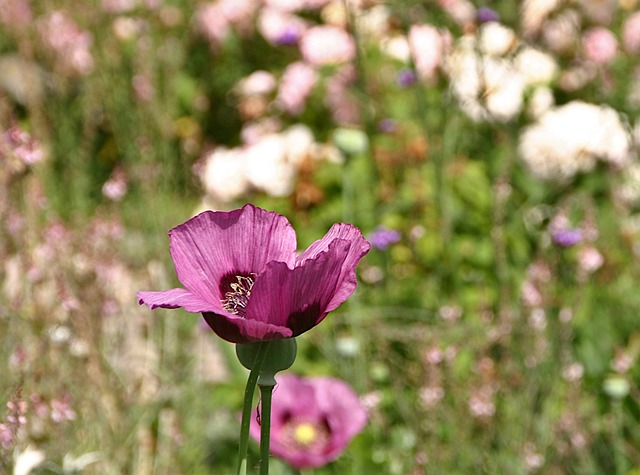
{"x":629,"y":190}
{"x":223,"y":174}
{"x":571,"y":138}
{"x":562,"y":32}
{"x":487,"y":88}
{"x":374,"y":22}
{"x":397,"y":47}
{"x":537,"y":67}
{"x":71,"y":464}
{"x":496,"y":39}
{"x":257,"y":83}
{"x":534,"y":13}
{"x":272,"y":162}
{"x":540,"y":101}
{"x":27,"y":460}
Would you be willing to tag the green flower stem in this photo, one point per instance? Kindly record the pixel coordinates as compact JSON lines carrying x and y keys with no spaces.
{"x":246,"y":406}
{"x":266,"y":383}
{"x":618,"y":438}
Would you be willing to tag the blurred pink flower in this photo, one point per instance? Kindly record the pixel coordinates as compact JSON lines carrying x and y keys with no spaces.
{"x":116,"y":186}
{"x":590,"y":259}
{"x":327,"y":45}
{"x":280,"y":28}
{"x":61,"y":410}
{"x":344,"y":107}
{"x":600,"y":45}
{"x":427,"y":47}
{"x":312,"y":420}
{"x":118,"y":6}
{"x":461,"y":11}
{"x":143,"y":87}
{"x":286,"y":5}
{"x":17,"y":142}
{"x":215,"y":19}
{"x":15,"y":13}
{"x":71,"y":44}
{"x":258,"y":83}
{"x":631,"y":33}
{"x":295,"y":87}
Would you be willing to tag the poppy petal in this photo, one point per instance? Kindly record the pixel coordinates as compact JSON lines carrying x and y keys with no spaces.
{"x":298,"y":298}
{"x":214,"y":247}
{"x":241,"y":330}
{"x":176,"y":298}
{"x":359,"y":247}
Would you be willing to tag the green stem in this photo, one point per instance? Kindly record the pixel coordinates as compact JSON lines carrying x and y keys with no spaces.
{"x":246,"y":406}
{"x":266,"y":391}
{"x":618,"y":436}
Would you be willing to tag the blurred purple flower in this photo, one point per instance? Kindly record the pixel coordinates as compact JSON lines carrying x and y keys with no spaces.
{"x":312,"y":420}
{"x":240,"y":270}
{"x":486,"y":15}
{"x":288,"y":37}
{"x":382,"y":237}
{"x":567,"y":237}
{"x":406,"y":77}
{"x":387,"y":126}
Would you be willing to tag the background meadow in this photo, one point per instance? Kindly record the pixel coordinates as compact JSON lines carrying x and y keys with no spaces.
{"x":488,"y":150}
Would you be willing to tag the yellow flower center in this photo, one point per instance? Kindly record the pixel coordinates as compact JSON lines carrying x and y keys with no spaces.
{"x":305,"y":434}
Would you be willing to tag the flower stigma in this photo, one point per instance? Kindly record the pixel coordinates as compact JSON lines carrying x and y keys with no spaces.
{"x":305,"y":434}
{"x":237,"y":298}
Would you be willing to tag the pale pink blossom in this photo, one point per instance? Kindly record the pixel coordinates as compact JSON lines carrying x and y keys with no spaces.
{"x":295,"y":87}
{"x":15,"y":13}
{"x":461,"y":11}
{"x":258,"y":83}
{"x":344,"y":107}
{"x":118,"y":6}
{"x":215,"y":20}
{"x":18,"y":143}
{"x":590,"y":259}
{"x":600,"y":45}
{"x":143,"y":87}
{"x":71,"y":44}
{"x":631,"y":33}
{"x":327,"y":45}
{"x":427,"y":46}
{"x":116,"y":186}
{"x":286,"y":5}
{"x":279,"y":27}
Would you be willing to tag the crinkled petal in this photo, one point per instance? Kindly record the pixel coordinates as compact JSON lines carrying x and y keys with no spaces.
{"x":345,"y":415}
{"x":359,"y":247}
{"x":212,"y":248}
{"x":298,"y":298}
{"x":236,"y":329}
{"x":176,"y":298}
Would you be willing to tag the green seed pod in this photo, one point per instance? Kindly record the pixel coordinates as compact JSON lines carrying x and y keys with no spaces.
{"x":280,"y":356}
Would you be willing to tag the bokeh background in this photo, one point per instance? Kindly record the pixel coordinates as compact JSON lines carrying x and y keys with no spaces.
{"x":488,"y":150}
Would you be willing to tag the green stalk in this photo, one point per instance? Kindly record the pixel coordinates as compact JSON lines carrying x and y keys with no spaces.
{"x":267,"y":382}
{"x":246,"y":406}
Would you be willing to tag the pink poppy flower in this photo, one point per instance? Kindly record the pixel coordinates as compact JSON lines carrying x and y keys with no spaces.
{"x":240,"y":270}
{"x":312,"y":420}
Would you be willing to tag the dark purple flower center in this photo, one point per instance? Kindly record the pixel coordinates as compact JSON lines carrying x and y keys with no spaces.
{"x":237,"y":297}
